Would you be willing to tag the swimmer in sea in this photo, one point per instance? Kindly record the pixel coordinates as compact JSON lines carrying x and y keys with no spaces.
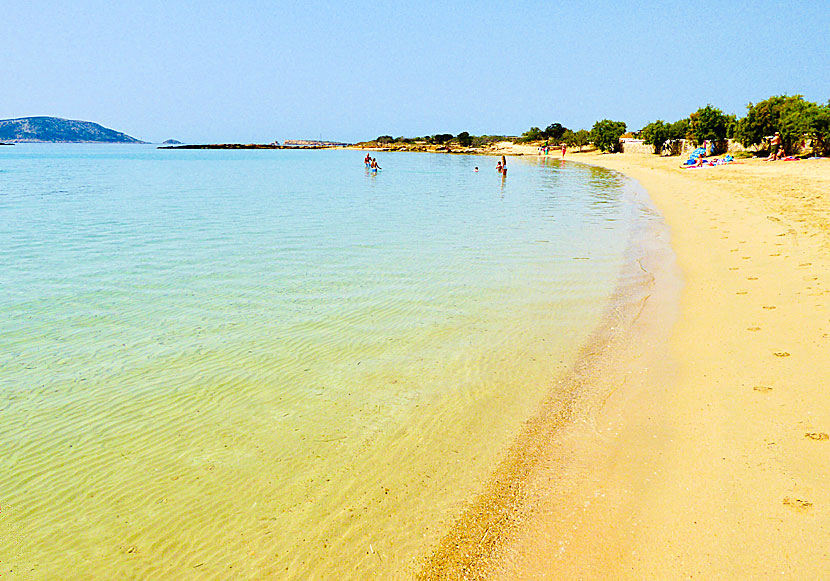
{"x":476,"y":169}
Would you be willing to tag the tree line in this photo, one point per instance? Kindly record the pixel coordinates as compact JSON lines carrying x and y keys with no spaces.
{"x":463,"y":139}
{"x":794,"y":118}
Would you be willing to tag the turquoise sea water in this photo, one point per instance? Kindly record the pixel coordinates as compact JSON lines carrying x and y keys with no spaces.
{"x":220,"y":364}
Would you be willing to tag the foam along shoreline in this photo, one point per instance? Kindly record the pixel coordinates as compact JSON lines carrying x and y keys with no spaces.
{"x":709,"y":456}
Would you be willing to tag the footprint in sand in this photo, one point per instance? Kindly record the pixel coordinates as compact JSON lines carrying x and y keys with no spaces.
{"x":818,"y":436}
{"x":741,"y":293}
{"x":781,"y":354}
{"x":752,"y":278}
{"x":768,"y":307}
{"x":776,"y":254}
{"x":806,"y":264}
{"x":753,"y":328}
{"x":733,"y":268}
{"x":797,"y":504}
{"x":762,"y":388}
{"x":746,"y":257}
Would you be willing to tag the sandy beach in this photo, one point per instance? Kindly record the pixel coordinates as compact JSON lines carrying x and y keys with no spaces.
{"x":696,"y":446}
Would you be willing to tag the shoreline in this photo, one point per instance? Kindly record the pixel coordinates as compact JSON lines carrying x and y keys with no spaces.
{"x":563,"y":433}
{"x":708,"y":456}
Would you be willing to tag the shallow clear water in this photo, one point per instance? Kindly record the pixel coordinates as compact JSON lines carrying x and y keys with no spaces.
{"x":274,"y":363}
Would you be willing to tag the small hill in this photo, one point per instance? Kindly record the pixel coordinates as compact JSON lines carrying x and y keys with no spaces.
{"x":57,"y":130}
{"x":171,"y":142}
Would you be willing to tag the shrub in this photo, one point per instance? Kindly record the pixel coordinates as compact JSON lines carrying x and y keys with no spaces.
{"x":532,"y":134}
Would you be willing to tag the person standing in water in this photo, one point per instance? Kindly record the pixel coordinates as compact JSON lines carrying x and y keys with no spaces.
{"x":367,"y":160}
{"x":503,"y":165}
{"x":564,"y":148}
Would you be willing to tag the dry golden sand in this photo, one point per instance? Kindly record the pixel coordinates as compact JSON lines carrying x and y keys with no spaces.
{"x":696,"y":449}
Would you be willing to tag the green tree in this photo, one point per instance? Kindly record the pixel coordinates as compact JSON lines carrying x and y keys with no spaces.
{"x":555,"y":132}
{"x":385,"y":139}
{"x":464,"y":139}
{"x":606,"y":134}
{"x":655,"y":134}
{"x":818,"y":129}
{"x":582,"y":138}
{"x":708,"y":124}
{"x":679,"y":129}
{"x":782,"y":113}
{"x":805,"y":120}
{"x":442,"y":138}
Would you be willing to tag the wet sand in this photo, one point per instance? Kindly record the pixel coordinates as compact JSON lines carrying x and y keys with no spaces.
{"x":694,"y":440}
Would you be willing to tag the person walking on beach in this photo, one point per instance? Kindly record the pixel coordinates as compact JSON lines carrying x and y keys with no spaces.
{"x":564,"y":148}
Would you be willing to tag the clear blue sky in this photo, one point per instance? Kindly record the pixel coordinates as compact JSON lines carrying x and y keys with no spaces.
{"x":254,"y":71}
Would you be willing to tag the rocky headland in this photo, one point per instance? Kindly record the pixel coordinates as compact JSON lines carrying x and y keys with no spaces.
{"x":57,"y":130}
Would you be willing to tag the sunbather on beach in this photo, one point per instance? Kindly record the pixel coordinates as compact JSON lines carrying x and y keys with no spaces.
{"x":698,"y":162}
{"x":776,"y":147}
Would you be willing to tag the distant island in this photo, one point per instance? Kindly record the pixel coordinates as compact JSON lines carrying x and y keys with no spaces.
{"x":57,"y":130}
{"x":171,"y":142}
